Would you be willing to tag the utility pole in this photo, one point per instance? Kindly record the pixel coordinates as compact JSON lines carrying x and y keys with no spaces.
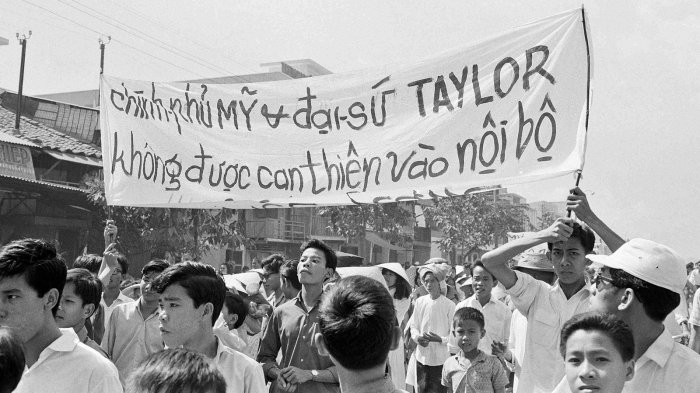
{"x":102,"y":60}
{"x":23,"y":42}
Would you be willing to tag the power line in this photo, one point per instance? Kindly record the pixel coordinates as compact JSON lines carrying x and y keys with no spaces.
{"x":155,"y":21}
{"x":113,"y":39}
{"x":146,"y":37}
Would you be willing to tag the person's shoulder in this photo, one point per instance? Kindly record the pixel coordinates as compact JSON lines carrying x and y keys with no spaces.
{"x":451,"y":364}
{"x":238,"y":358}
{"x":686,"y":357}
{"x":93,"y":360}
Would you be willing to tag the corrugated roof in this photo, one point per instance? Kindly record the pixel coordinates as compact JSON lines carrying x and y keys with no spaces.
{"x":44,"y":136}
{"x":43,"y":183}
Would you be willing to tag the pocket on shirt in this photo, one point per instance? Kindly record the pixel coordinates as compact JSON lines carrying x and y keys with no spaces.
{"x":545,"y":329}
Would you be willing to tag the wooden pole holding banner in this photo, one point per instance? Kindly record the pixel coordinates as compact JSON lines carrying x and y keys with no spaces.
{"x":588,"y":87}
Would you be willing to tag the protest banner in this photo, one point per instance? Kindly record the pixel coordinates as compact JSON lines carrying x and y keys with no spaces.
{"x":506,"y":110}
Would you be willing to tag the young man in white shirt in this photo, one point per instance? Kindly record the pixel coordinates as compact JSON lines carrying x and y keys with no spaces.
{"x":358,"y":329}
{"x":641,"y":283}
{"x":496,"y":314}
{"x":191,"y":296}
{"x":32,"y":278}
{"x":430,"y":329}
{"x":548,"y":307}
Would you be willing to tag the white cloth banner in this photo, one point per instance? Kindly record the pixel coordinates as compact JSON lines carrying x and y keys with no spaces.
{"x":510,"y":109}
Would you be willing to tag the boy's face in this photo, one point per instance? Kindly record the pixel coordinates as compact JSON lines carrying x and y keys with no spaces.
{"x":180,"y":320}
{"x":21,"y":307}
{"x":229,"y":317}
{"x":147,"y":294}
{"x":468,"y":334}
{"x":271,"y":282}
{"x":71,"y":310}
{"x":312,"y":267}
{"x":593,"y":364}
{"x":482,"y":281}
{"x":569,"y":260}
{"x":116,"y":278}
{"x":431,"y":284}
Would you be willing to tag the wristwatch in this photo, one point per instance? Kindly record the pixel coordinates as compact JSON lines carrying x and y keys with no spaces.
{"x":314,"y":374}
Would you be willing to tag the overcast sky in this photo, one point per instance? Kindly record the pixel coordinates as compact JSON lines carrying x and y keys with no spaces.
{"x":642,"y":166}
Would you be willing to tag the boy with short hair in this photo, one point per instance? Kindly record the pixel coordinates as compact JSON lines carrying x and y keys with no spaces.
{"x":358,"y":329}
{"x":430,"y":329}
{"x":289,"y":282}
{"x":472,"y":370}
{"x":191,"y":296}
{"x":496,"y":313}
{"x":588,"y":338}
{"x":32,"y":277}
{"x":271,"y":279}
{"x":79,"y":301}
{"x":132,"y":333}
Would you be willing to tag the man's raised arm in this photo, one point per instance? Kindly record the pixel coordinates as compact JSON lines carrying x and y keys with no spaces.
{"x":496,"y":261}
{"x":577,"y":202}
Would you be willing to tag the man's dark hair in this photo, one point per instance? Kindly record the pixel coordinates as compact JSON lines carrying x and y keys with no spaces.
{"x":37,"y":260}
{"x":657,"y":302}
{"x":469,"y":314}
{"x":357,"y":320}
{"x":12,"y":360}
{"x":476,"y":264}
{"x":272,"y":264}
{"x":156,"y":265}
{"x":90,"y":262}
{"x":199,"y":280}
{"x":236,"y":305}
{"x":289,"y":272}
{"x":176,"y":370}
{"x":123,"y":263}
{"x":87,"y":287}
{"x":618,"y":331}
{"x":331,"y":258}
{"x":584,"y":234}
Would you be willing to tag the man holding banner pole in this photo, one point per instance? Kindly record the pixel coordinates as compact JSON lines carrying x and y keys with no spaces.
{"x":545,"y":306}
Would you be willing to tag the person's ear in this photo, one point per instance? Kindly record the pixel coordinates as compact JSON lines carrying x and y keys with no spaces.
{"x":88,"y":310}
{"x":51,"y":298}
{"x":629,"y":372}
{"x":234,"y":319}
{"x":483,"y":333}
{"x":626,"y":300}
{"x":321,"y":345}
{"x":395,"y":338}
{"x":207,"y":310}
{"x":329,"y":274}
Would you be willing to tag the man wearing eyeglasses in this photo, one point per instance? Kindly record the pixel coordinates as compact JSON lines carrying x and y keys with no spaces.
{"x":641,"y":283}
{"x":545,"y":306}
{"x":271,"y":279}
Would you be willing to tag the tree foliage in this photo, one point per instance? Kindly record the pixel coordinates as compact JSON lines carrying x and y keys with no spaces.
{"x":474,"y":220}
{"x":161,"y":230}
{"x":353,"y":221}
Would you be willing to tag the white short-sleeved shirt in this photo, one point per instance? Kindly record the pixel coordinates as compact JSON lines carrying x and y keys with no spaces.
{"x":121,"y":299}
{"x":666,"y":366}
{"x":242,"y":374}
{"x":546,"y":309}
{"x":69,"y":366}
{"x":432,"y":316}
{"x":496,"y":321}
{"x":695,"y":309}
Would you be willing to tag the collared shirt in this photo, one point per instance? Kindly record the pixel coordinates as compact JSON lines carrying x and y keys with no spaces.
{"x":121,"y":299}
{"x":83,"y":337}
{"x":496,"y":321}
{"x":516,"y":345}
{"x":483,"y":374}
{"x":67,"y":365}
{"x":274,"y":302}
{"x":130,"y":338}
{"x":432,"y":316}
{"x":382,"y":385}
{"x":695,"y":309}
{"x":242,"y":374}
{"x":546,"y":309}
{"x":292,"y":329}
{"x":666,"y":366}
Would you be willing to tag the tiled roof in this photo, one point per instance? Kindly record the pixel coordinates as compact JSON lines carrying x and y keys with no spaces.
{"x":45,"y":137}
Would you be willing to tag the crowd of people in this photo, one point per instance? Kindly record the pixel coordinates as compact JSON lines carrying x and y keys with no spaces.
{"x":564,"y":321}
